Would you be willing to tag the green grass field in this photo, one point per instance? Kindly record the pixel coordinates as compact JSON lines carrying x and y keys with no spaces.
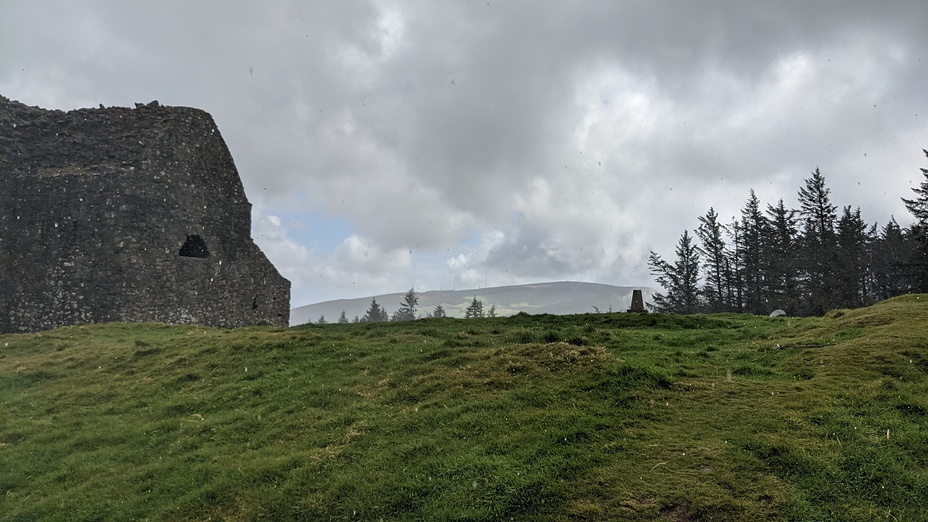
{"x":586,"y":417}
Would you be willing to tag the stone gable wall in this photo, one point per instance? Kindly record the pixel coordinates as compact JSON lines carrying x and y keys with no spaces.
{"x":96,"y":207}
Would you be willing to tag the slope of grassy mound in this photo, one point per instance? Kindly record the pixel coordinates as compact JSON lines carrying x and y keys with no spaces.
{"x":611,"y":416}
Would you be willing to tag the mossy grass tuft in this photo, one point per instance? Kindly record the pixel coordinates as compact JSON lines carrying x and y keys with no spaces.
{"x":585,"y":417}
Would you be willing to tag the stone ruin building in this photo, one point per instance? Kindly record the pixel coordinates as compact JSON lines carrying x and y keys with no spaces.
{"x":119,"y":214}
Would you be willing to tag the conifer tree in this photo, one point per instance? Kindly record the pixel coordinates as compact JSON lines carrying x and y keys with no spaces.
{"x":343,"y":318}
{"x":375,"y":314}
{"x":819,"y":246}
{"x":716,"y":263}
{"x":852,"y":273}
{"x":736,"y":285}
{"x":918,"y":206}
{"x":755,"y":233}
{"x":474,"y":310}
{"x":407,"y":310}
{"x":680,"y":280}
{"x":917,"y":234}
{"x":782,"y":251}
{"x":439,"y":311}
{"x":891,"y":256}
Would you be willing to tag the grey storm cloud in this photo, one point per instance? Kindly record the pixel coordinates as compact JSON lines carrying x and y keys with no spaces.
{"x":523,"y":140}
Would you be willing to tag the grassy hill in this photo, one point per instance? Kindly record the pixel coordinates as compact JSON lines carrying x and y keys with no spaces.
{"x":592,"y":417}
{"x":562,"y":297}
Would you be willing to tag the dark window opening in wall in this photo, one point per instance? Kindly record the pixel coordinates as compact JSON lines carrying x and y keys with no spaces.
{"x":254,"y":303}
{"x":194,"y":247}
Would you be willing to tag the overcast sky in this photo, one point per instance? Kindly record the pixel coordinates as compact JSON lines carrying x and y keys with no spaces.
{"x":454,"y":144}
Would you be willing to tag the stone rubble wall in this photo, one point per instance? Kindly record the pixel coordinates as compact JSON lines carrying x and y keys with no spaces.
{"x":96,"y":206}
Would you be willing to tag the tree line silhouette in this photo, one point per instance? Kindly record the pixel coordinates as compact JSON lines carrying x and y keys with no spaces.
{"x":376,"y":313}
{"x":804,"y":261}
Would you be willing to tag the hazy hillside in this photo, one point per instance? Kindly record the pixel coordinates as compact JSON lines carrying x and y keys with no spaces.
{"x":540,"y":298}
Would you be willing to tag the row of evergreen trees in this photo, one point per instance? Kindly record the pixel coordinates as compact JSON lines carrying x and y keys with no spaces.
{"x":376,"y":313}
{"x":804,"y":261}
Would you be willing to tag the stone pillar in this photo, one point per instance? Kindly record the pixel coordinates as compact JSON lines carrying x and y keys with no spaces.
{"x":637,"y":303}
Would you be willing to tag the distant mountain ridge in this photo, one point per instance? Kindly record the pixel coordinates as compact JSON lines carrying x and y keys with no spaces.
{"x":565,"y":297}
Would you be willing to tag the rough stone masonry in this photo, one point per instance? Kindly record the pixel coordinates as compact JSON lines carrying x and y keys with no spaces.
{"x":120,"y":214}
